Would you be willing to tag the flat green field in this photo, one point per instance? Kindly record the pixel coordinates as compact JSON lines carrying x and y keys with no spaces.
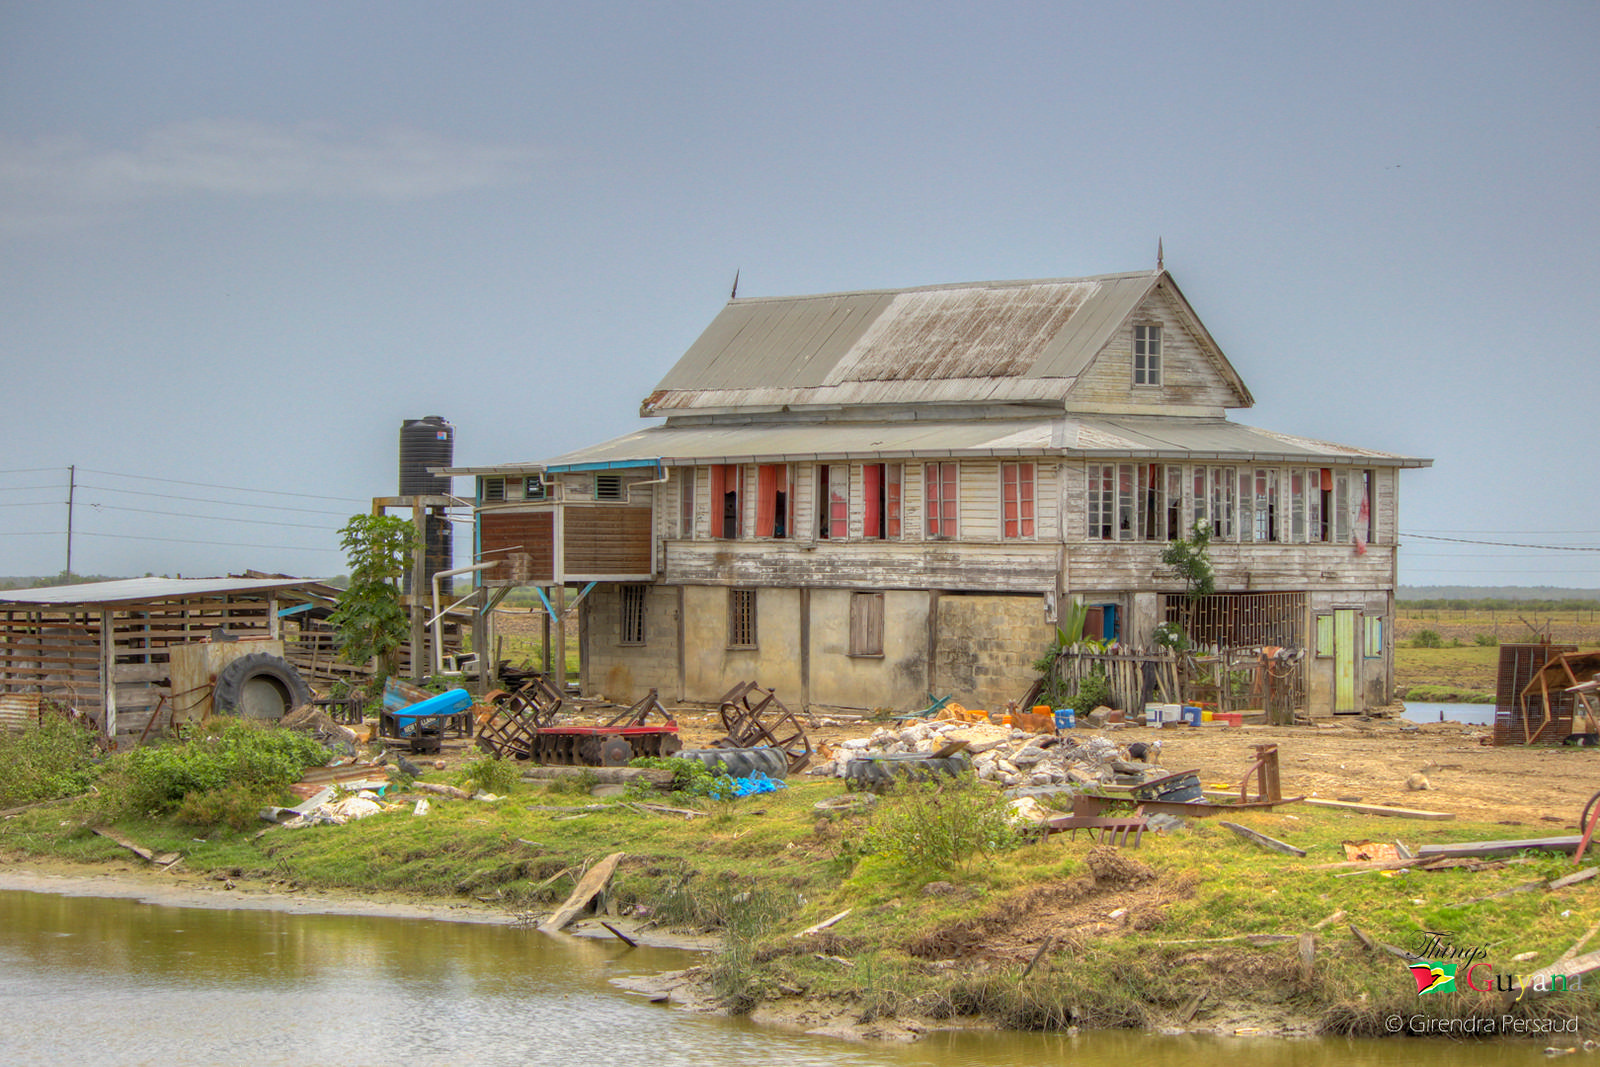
{"x":1464,"y":670}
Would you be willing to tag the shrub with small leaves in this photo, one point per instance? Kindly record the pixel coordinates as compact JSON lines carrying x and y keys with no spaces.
{"x":262,"y":761}
{"x":55,"y":759}
{"x":933,"y":828}
{"x":493,"y":774}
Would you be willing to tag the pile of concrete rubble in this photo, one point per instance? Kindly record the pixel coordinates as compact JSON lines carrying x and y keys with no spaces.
{"x":1008,"y":757}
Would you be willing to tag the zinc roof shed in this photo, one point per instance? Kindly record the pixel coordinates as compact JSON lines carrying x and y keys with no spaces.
{"x":105,"y":648}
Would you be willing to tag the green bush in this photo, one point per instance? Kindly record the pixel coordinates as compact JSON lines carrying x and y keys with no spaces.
{"x":260,"y":761}
{"x":690,"y":777}
{"x":936,"y":828}
{"x":1093,"y":691}
{"x":236,"y":807}
{"x":493,"y":774}
{"x":1427,"y":639}
{"x":55,"y":759}
{"x":1486,"y":640}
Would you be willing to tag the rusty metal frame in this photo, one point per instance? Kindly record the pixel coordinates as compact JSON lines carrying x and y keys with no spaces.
{"x":755,"y":718}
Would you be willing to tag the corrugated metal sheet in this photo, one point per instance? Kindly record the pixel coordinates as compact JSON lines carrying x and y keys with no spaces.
{"x":1064,"y":436}
{"x":134,"y":589}
{"x":989,"y":340}
{"x":19,"y":711}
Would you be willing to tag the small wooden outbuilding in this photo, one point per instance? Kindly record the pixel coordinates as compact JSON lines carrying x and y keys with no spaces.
{"x":105,"y":648}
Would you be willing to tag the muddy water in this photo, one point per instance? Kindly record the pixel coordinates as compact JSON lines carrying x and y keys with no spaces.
{"x":95,"y":981}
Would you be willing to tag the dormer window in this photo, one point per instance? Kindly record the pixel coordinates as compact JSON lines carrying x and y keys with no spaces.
{"x":1147,"y":355}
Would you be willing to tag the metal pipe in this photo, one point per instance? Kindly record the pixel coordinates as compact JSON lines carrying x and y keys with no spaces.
{"x":438,"y":636}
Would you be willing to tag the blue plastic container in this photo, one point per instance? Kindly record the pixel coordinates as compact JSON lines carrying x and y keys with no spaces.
{"x":1066,"y":719}
{"x":1191,"y":715}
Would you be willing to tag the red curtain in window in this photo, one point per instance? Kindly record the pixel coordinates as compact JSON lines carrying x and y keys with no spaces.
{"x":726,"y":501}
{"x":838,"y":501}
{"x":872,"y":490}
{"x":719,"y":486}
{"x":891,"y":500}
{"x":1016,"y":494}
{"x":769,"y":479}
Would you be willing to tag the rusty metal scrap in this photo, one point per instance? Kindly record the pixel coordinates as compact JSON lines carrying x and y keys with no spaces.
{"x":755,"y":718}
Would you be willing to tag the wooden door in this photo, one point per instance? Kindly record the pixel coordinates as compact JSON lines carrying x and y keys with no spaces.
{"x":1345,"y":657}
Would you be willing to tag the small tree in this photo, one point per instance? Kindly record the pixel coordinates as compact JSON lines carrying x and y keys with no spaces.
{"x":1190,"y":559}
{"x":369,"y":618}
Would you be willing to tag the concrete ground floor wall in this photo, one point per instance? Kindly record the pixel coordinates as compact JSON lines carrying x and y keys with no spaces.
{"x":978,"y":649}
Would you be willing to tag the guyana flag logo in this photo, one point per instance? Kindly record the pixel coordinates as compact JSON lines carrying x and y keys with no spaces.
{"x":1434,"y":977}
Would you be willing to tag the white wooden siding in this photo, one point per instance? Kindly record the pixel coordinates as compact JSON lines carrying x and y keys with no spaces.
{"x":1188,"y":378}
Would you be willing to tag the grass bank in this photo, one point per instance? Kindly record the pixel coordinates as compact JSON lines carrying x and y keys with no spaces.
{"x":948,"y":914}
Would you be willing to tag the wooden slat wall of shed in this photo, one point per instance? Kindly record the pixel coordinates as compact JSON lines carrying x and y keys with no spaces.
{"x":533,"y":532}
{"x":142,"y":638}
{"x":143,"y":634}
{"x":605,"y":540}
{"x":314,"y":651}
{"x":1188,"y":377}
{"x":53,"y":652}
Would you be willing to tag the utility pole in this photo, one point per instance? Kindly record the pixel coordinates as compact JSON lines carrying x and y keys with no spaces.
{"x":72,"y":488}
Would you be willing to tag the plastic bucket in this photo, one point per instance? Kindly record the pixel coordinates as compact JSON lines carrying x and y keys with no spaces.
{"x":1066,"y":719}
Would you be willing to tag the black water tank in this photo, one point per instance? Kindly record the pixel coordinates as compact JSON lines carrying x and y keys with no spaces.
{"x":425,"y":443}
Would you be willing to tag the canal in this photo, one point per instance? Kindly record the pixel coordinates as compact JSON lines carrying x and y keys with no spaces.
{"x":88,"y":980}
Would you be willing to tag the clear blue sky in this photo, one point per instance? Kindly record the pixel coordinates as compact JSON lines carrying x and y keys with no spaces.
{"x":241,"y":243}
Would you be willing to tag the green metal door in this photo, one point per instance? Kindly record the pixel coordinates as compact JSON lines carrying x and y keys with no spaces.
{"x":1344,"y":661}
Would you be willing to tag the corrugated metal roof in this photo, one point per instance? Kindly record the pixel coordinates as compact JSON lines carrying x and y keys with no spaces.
{"x":1064,"y":436}
{"x":128,"y":590}
{"x":996,"y":341}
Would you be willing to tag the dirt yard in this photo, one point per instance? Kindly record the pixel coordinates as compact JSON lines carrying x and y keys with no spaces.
{"x":1542,"y":787}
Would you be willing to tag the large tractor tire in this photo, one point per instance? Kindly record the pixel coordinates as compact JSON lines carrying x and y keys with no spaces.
{"x":259,"y":686}
{"x":741,"y":762}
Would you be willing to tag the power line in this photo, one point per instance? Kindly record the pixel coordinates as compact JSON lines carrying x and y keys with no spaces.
{"x":210,"y":500}
{"x":213,"y":518}
{"x":33,"y":470}
{"x":233,"y":488}
{"x":190,"y":541}
{"x":1523,"y":532}
{"x":31,"y":533}
{"x":1503,"y":544}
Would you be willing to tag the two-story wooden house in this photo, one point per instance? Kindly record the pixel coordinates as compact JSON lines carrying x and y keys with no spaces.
{"x":864,"y":498}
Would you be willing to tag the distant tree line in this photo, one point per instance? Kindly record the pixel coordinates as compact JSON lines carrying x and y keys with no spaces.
{"x":1498,"y":604}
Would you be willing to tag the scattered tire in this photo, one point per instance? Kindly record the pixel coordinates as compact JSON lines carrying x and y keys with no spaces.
{"x":741,"y":762}
{"x":259,"y":686}
{"x":882,"y":772}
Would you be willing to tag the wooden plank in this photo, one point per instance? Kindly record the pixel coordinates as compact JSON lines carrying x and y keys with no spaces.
{"x":1582,"y":965}
{"x":165,"y":859}
{"x":590,"y":887}
{"x":1263,"y":840}
{"x":1567,"y":843}
{"x":1573,"y":879}
{"x":824,"y":924}
{"x":1380,"y":809}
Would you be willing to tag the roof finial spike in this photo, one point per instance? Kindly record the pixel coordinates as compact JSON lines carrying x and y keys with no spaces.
{"x":1161,"y":259}
{"x":735,"y":294}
